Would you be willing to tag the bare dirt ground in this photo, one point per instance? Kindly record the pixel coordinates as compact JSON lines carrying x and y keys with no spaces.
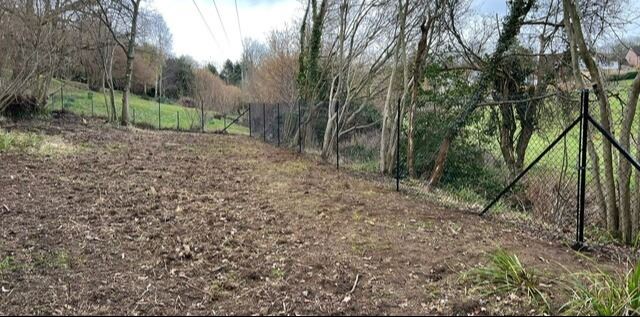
{"x":141,"y":222}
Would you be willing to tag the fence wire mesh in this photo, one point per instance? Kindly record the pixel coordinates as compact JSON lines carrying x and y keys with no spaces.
{"x":549,"y":192}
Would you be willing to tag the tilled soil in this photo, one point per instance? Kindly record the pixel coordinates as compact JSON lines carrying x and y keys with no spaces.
{"x":141,"y":222}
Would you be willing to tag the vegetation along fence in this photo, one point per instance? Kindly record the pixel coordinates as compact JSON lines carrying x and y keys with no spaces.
{"x":566,"y":171}
{"x":149,"y":114}
{"x":551,"y":171}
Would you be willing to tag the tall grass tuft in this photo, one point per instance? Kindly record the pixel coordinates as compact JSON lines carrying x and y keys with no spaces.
{"x":604,"y":294}
{"x":505,"y":274}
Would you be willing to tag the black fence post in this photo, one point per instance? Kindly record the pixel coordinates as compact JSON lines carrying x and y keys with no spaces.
{"x":178,"y":115}
{"x":278,"y":122}
{"x":92,"y":108}
{"x":532,"y":164}
{"x":398,"y":149}
{"x":264,"y":122}
{"x":224,"y":121}
{"x":202,"y":118}
{"x":250,"y":123}
{"x":159,"y":116}
{"x":299,"y":127}
{"x":134,"y":115}
{"x":337,"y":135}
{"x":62,"y":98}
{"x":582,"y":172}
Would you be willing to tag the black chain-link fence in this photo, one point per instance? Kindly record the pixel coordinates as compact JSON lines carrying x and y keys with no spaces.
{"x":277,"y":124}
{"x":571,"y":185}
{"x":152,"y":114}
{"x":536,"y":173}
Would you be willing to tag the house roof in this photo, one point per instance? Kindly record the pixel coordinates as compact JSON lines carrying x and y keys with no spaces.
{"x":636,"y":49}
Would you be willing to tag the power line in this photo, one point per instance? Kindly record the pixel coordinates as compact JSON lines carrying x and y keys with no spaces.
{"x":242,"y":74}
{"x":221,"y":23}
{"x":206,"y":24}
{"x":239,"y":27}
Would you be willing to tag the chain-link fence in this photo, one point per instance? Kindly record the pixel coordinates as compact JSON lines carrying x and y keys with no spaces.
{"x":277,"y":124}
{"x":546,"y":169}
{"x":148,"y":113}
{"x":581,"y":184}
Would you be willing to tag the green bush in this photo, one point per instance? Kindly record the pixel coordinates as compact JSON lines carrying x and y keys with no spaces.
{"x":505,"y":274}
{"x":622,"y":77}
{"x":604,"y":294}
{"x":465,"y":162}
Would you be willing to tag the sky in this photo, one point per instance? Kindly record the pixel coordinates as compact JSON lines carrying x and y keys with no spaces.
{"x":256,"y":19}
{"x":190,"y":34}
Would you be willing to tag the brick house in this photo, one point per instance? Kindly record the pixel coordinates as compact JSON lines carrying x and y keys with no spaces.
{"x":633,"y":57}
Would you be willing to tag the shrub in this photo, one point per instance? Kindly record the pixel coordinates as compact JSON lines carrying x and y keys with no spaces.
{"x":622,"y":77}
{"x":505,"y":274}
{"x":467,"y":159}
{"x":20,"y":107}
{"x":604,"y":294}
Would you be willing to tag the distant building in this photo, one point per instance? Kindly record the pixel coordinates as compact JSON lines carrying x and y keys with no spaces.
{"x":633,"y":56}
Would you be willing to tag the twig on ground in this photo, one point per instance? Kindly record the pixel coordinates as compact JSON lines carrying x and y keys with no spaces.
{"x":355,"y":284}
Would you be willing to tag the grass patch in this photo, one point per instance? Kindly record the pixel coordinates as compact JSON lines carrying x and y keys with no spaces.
{"x":277,"y":273}
{"x":54,"y":260}
{"x":36,"y":144}
{"x":143,"y":111}
{"x":7,"y":264}
{"x":505,"y":274}
{"x":604,"y":294}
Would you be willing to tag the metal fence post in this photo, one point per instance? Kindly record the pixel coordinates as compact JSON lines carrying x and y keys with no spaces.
{"x":202,"y":117}
{"x":224,"y":121}
{"x":134,"y":115}
{"x":264,"y":122}
{"x":250,"y":123}
{"x":92,"y":108}
{"x":278,"y":122}
{"x":398,"y":149}
{"x":337,"y":135}
{"x":582,"y":172}
{"x":299,"y":128}
{"x":178,"y":116}
{"x":62,"y":98}
{"x":159,"y":116}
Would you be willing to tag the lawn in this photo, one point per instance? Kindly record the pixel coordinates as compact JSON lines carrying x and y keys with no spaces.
{"x":143,"y":111}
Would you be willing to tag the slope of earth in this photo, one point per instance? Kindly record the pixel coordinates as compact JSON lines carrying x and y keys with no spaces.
{"x":147,"y":222}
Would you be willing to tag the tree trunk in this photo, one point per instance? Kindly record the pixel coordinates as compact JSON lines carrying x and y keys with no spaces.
{"x":107,"y":64}
{"x":616,"y":221}
{"x":333,"y":117}
{"x":130,"y":57}
{"x":625,"y":167}
{"x":388,"y":142}
{"x":624,"y":181}
{"x":415,"y":89}
{"x":593,"y":155}
{"x":104,"y":94}
{"x":386,"y":118}
{"x":510,"y":31}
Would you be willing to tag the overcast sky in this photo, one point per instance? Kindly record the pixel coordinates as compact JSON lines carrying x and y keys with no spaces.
{"x":257,"y":18}
{"x":190,"y":34}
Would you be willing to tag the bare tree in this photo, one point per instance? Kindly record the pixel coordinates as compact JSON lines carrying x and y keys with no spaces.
{"x":430,"y":32}
{"x":519,"y":9}
{"x":121,"y":19}
{"x":360,"y":50}
{"x":33,"y":44}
